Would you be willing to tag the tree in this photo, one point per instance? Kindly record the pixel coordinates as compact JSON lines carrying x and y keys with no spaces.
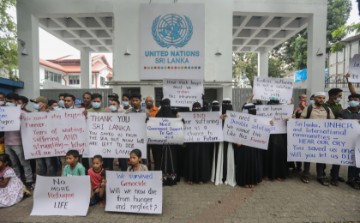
{"x":341,"y":32}
{"x":8,"y":41}
{"x":245,"y":64}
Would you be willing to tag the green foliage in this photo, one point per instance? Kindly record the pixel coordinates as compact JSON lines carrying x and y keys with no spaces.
{"x":245,"y":64}
{"x":8,"y":41}
{"x":342,"y":31}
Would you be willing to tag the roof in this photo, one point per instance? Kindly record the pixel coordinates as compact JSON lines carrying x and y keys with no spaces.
{"x":71,"y":64}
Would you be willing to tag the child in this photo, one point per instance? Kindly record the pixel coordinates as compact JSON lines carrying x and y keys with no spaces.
{"x":135,"y":161}
{"x":11,"y":187}
{"x":73,"y":167}
{"x":97,"y":174}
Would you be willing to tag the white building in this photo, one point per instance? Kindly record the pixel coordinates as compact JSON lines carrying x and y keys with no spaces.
{"x":65,"y":72}
{"x":114,"y":26}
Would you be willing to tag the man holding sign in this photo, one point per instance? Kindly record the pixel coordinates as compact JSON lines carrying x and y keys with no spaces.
{"x":352,"y":112}
{"x":317,"y":111}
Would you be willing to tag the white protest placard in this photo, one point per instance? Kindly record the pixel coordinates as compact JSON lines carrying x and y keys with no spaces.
{"x":116,"y":134}
{"x":277,"y":113}
{"x":183,"y":93}
{"x":246,"y":129}
{"x":172,"y":41}
{"x":165,"y":131}
{"x":322,"y":141}
{"x":266,"y":87}
{"x":47,"y":134}
{"x":354,"y":69}
{"x":357,"y":153}
{"x":134,"y":192}
{"x":9,"y":119}
{"x":202,"y":126}
{"x":68,"y":196}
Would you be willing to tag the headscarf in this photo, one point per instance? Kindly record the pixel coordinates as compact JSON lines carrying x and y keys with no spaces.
{"x":196,"y":107}
{"x":226,"y":105}
{"x":215,"y":106}
{"x":165,"y":109}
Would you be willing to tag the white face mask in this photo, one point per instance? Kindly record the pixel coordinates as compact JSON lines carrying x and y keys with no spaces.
{"x":338,"y":100}
{"x":9,"y":104}
{"x":311,"y":102}
{"x":57,"y":108}
{"x":2,"y":103}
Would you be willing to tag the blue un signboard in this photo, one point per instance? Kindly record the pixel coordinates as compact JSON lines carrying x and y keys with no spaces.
{"x":172,"y":41}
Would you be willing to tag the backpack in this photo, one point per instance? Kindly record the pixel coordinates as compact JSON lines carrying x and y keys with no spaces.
{"x":310,"y":108}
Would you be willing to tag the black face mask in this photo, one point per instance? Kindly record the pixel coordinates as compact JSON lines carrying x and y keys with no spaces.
{"x":196,"y":109}
{"x":252,"y":111}
{"x":215,"y":108}
{"x":226,"y":107}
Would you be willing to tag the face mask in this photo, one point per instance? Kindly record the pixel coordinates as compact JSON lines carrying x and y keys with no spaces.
{"x":354,"y":104}
{"x":113,"y":108}
{"x":36,"y":107}
{"x":96,"y":104}
{"x":57,"y":108}
{"x":2,"y":103}
{"x":311,"y":102}
{"x":125,"y":103}
{"x":61,"y":103}
{"x":338,"y":100}
{"x":9,"y":104}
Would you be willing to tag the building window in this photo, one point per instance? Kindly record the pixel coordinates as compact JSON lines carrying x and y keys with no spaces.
{"x":51,"y":76}
{"x":102,"y":81}
{"x":74,"y":80}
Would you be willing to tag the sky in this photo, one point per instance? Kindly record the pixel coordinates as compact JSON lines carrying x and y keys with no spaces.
{"x":52,"y":47}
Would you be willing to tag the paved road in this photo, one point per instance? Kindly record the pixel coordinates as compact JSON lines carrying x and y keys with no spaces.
{"x":287,"y":201}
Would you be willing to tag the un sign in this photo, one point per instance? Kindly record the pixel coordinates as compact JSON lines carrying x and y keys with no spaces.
{"x":172,"y":30}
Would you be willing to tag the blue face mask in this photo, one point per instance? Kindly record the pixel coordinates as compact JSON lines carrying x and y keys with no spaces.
{"x":61,"y":103}
{"x":36,"y":107}
{"x":113,"y":108}
{"x":337,"y":100}
{"x":9,"y":104}
{"x":96,"y":104}
{"x":354,"y":104}
{"x":125,"y":103}
{"x":311,"y":102}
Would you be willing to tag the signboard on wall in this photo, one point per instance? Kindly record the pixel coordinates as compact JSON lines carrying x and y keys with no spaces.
{"x":172,"y":41}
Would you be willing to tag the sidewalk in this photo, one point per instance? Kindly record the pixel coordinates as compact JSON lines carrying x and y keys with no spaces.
{"x":287,"y":201}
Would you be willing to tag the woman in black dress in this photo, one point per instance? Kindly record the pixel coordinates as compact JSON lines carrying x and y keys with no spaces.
{"x":248,"y":160}
{"x":198,"y":158}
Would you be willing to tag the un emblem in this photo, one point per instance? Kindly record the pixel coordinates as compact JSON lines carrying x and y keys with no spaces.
{"x":172,"y":30}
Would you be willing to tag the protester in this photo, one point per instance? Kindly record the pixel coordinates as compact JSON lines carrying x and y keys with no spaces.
{"x":150,"y":108}
{"x":53,"y":105}
{"x":69,"y":101}
{"x":136,"y":104}
{"x":96,"y":103}
{"x":125,"y":102}
{"x":248,"y":160}
{"x":15,"y":150}
{"x":275,"y":157}
{"x":2,"y":99}
{"x":316,"y":111}
{"x":61,"y":100}
{"x":73,"y":167}
{"x":11,"y":187}
{"x":197,"y":158}
{"x":135,"y":161}
{"x":352,"y":112}
{"x":46,"y":166}
{"x":23,"y":101}
{"x":335,"y":97}
{"x":96,"y":173}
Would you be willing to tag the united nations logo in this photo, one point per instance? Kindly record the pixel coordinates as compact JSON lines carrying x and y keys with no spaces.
{"x":172,"y":30}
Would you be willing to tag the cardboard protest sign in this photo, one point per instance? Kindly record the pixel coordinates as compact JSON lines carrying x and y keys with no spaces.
{"x":183,"y":93}
{"x":116,"y":134}
{"x":202,"y":126}
{"x":9,"y":119}
{"x":354,"y":69}
{"x":357,"y":152}
{"x":134,"y":192}
{"x":69,"y":196}
{"x":165,"y":131}
{"x":277,"y":113}
{"x":266,"y":87}
{"x":322,"y":141}
{"x":47,"y":134}
{"x":246,"y":129}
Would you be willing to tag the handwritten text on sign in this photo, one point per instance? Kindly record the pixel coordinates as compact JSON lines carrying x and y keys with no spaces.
{"x":47,"y":134}
{"x":183,"y":92}
{"x":9,"y":119}
{"x":357,"y":152}
{"x":202,"y":127}
{"x":277,"y":113}
{"x":354,"y":69}
{"x":67,"y":196}
{"x":246,"y":129}
{"x":165,"y":131}
{"x":116,"y":134}
{"x":322,"y":141}
{"x":134,"y":192}
{"x":264,"y":88}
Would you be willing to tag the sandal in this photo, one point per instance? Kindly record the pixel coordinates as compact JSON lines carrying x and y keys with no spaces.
{"x":323,"y":181}
{"x":305,"y":179}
